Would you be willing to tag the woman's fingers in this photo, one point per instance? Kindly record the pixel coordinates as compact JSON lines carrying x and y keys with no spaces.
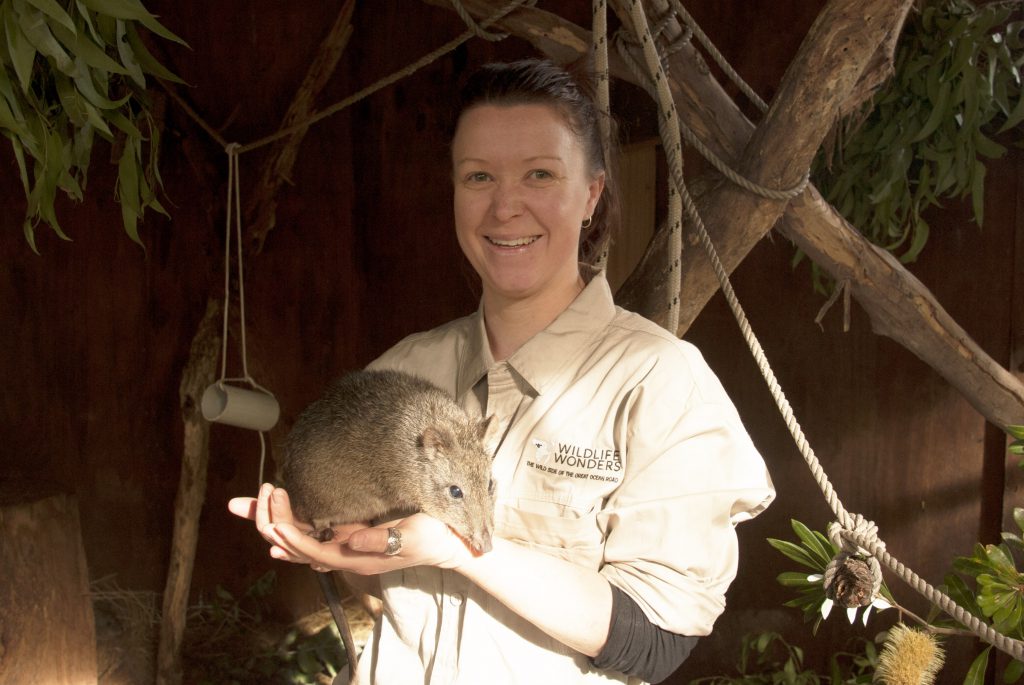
{"x":243,"y":506}
{"x":263,"y":506}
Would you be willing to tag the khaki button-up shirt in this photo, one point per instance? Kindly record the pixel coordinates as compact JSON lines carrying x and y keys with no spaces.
{"x":618,"y":450}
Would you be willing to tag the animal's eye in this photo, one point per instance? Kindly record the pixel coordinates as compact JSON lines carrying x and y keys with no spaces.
{"x":455,"y":491}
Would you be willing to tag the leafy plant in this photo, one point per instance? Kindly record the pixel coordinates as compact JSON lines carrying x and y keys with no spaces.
{"x":987,"y":584}
{"x":768,"y":659}
{"x":814,"y":551}
{"x":1017,"y":446}
{"x":924,"y":136}
{"x":70,"y":71}
{"x":230,"y":641}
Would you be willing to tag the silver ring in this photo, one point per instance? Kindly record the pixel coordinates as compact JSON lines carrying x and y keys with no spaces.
{"x":394,"y":542}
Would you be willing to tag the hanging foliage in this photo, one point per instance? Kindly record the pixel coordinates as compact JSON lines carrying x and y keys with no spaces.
{"x":71,"y":71}
{"x":925,"y":136}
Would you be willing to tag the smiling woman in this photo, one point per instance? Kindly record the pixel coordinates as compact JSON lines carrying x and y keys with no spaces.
{"x":620,"y":465}
{"x":520,"y":202}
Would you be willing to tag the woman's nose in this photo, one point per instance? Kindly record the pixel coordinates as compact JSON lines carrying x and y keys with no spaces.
{"x":506,"y":203}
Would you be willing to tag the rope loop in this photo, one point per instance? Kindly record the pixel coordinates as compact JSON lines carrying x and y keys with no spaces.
{"x":865,"y":531}
{"x":852,"y":580}
{"x":473,"y":26}
{"x":854,"y":576}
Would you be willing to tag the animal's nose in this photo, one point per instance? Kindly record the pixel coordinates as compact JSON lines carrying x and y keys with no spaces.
{"x":483,"y":544}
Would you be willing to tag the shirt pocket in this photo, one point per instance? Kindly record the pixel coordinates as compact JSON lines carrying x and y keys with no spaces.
{"x":553,"y":529}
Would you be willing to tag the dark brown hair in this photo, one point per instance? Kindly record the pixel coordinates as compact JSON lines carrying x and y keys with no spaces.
{"x":534,"y":81}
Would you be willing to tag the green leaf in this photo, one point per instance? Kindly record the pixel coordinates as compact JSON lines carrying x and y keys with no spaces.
{"x":70,"y":100}
{"x":119,"y":9}
{"x":978,"y":192}
{"x":814,"y":542}
{"x":976,"y":673}
{"x":796,"y":579}
{"x":920,"y":231}
{"x":133,"y":9}
{"x":1001,"y":561}
{"x":37,"y":32}
{"x":53,"y":10}
{"x":22,"y":52}
{"x":86,"y":16}
{"x":795,"y":552}
{"x":87,"y":87}
{"x":146,"y":60}
{"x":124,"y":50}
{"x":940,"y":111}
{"x":82,"y":46}
{"x":1013,"y":671}
{"x":128,"y":192}
{"x":988,"y":147}
{"x":1018,"y":433}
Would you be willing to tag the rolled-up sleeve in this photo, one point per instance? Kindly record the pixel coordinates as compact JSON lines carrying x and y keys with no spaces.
{"x":692,"y":474}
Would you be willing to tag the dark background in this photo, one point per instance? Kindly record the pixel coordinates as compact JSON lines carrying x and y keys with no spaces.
{"x":96,"y":331}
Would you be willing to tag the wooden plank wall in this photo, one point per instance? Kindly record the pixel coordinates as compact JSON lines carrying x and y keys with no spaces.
{"x":97,"y":332}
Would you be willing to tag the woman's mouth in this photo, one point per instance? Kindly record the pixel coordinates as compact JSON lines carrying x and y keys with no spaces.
{"x":513,"y":242}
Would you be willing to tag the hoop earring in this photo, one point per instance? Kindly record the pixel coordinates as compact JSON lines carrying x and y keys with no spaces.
{"x":586,"y":223}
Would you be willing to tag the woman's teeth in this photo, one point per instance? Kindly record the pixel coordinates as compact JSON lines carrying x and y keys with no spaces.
{"x":515,"y":242}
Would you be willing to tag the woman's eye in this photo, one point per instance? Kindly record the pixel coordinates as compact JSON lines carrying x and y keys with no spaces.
{"x":541,"y":175}
{"x":455,"y":491}
{"x":478,"y":177}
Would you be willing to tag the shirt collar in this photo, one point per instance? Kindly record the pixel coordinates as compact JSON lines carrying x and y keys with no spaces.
{"x":545,"y":353}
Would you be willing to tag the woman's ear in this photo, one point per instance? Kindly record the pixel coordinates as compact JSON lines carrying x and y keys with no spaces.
{"x":595,"y":188}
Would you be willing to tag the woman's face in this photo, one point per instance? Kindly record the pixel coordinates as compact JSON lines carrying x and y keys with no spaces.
{"x":522,"y":189}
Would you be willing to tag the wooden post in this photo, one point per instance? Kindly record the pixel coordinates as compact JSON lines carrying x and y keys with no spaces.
{"x":200,"y":371}
{"x":47,"y":633}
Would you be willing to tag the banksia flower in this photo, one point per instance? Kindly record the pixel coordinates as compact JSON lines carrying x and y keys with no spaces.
{"x":909,"y":657}
{"x":848,"y":581}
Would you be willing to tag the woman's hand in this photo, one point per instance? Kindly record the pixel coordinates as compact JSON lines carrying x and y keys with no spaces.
{"x":355,"y":547}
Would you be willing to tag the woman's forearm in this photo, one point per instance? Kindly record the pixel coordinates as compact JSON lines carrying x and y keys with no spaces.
{"x":568,"y":602}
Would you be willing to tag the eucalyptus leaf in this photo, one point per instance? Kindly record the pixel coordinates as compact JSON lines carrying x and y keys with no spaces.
{"x":37,"y":32}
{"x":87,"y":87}
{"x":83,"y":46}
{"x":978,"y":192}
{"x":957,"y":78}
{"x":124,"y":50}
{"x":53,"y":10}
{"x":146,"y":60}
{"x":22,"y":52}
{"x":86,"y":16}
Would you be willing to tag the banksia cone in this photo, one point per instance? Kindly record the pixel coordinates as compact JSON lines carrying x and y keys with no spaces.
{"x":848,"y":581}
{"x":910,"y":657}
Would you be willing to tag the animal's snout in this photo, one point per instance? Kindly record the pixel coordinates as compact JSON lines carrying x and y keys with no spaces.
{"x":481,"y":543}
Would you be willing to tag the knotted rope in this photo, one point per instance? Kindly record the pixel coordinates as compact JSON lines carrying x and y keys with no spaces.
{"x":853,"y":534}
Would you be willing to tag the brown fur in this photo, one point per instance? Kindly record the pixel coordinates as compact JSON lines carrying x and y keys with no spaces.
{"x":381,"y":442}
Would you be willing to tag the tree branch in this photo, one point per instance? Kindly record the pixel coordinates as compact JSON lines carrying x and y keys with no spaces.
{"x":705,"y":107}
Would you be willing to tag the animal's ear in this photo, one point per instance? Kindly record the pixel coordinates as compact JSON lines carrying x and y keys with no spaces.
{"x":486,"y":429}
{"x":434,"y":440}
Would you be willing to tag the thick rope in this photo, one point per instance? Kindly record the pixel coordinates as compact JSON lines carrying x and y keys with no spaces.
{"x":622,"y":45}
{"x":599,"y":45}
{"x":668,"y":125}
{"x":853,"y":528}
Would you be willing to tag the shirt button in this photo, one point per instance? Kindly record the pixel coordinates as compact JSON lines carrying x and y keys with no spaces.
{"x":456,"y":598}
